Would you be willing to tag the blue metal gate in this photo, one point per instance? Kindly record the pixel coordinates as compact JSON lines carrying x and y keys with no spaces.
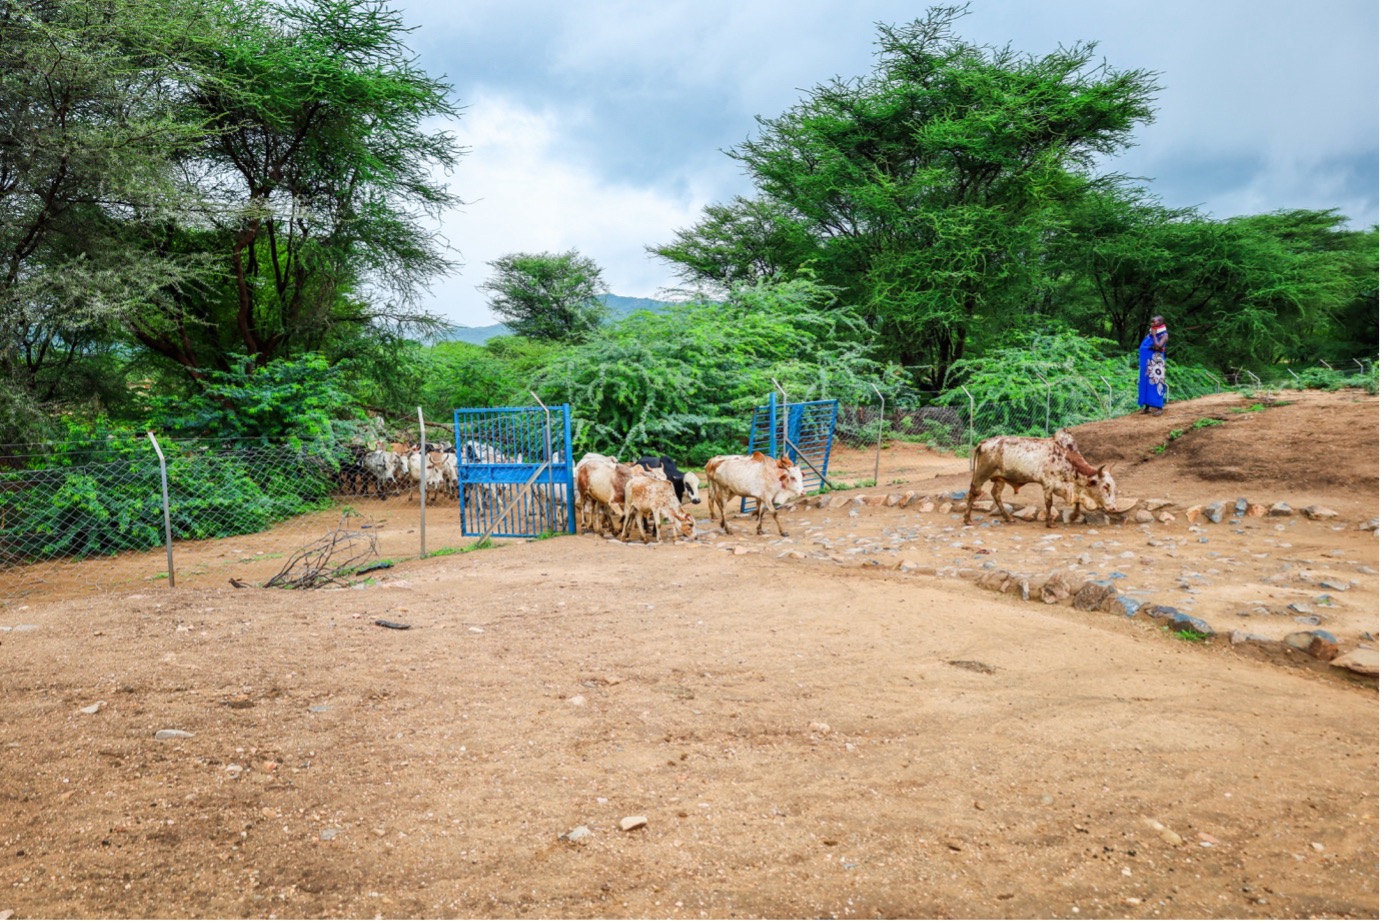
{"x":514,"y":471}
{"x":802,"y":431}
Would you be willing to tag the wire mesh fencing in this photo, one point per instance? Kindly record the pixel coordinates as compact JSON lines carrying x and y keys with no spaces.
{"x":120,"y":513}
{"x":1038,"y":405}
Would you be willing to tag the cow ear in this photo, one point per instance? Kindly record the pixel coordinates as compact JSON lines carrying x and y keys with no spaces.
{"x":785,"y":462}
{"x":758,"y":456}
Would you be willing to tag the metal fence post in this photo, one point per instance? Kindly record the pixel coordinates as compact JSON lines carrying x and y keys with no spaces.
{"x":1047,"y":405}
{"x":971,"y":427}
{"x":550,"y":513}
{"x":1109,"y":397}
{"x":879,"y":439}
{"x":167,"y":519}
{"x":422,"y":486}
{"x":786,"y":403}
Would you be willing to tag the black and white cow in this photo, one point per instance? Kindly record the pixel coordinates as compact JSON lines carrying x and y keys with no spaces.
{"x":685,"y":484}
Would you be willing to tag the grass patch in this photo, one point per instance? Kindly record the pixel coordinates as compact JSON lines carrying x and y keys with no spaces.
{"x":1205,"y":423}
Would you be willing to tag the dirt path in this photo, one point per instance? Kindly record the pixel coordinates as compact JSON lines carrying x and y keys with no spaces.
{"x":803,"y":736}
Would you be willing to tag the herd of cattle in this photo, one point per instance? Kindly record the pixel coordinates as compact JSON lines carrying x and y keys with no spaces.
{"x":614,"y":497}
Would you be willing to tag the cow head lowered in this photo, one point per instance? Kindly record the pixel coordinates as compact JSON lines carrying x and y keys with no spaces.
{"x":1094,"y":486}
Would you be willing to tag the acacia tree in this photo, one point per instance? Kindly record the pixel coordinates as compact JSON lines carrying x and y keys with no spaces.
{"x":547,"y":296}
{"x":91,"y":123}
{"x":318,"y":173}
{"x":927,"y":188}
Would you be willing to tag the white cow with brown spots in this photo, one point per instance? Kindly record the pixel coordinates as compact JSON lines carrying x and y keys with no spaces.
{"x":1055,"y":464}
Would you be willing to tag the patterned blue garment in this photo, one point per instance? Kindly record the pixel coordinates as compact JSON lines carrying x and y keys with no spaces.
{"x":1153,"y":386}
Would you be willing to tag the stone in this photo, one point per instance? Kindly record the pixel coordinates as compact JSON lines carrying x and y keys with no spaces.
{"x":1091,"y":596}
{"x":927,"y":506}
{"x":1166,"y":517}
{"x":92,"y":708}
{"x":1143,"y":517}
{"x":1335,"y":585}
{"x":1241,"y":506}
{"x":1280,"y":509}
{"x":1185,"y":622}
{"x":994,"y":580}
{"x":838,"y":501}
{"x":1115,"y":604}
{"x":1019,"y":586}
{"x":1192,"y":513}
{"x":1095,"y":518}
{"x":1124,"y":506}
{"x":1361,"y":660}
{"x":907,"y":498}
{"x":1242,"y":637}
{"x":1057,"y":589}
{"x":576,"y":834}
{"x":630,"y":823}
{"x":945,"y":508}
{"x":877,"y":499}
{"x":1155,"y":504}
{"x":1215,"y":512}
{"x":1318,"y":644}
{"x":1258,"y":510}
{"x":173,"y":735}
{"x":1371,"y":525}
{"x":1027,"y":514}
{"x":1317,"y":513}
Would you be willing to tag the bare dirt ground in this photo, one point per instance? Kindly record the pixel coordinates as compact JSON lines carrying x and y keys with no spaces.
{"x":835,"y":724}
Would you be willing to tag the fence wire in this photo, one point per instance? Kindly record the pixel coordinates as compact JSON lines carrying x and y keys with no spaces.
{"x":85,"y":517}
{"x":78,"y":518}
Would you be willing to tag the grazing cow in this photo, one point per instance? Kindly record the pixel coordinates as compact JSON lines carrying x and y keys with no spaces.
{"x":656,"y":499}
{"x":766,"y":481}
{"x":1054,"y":464}
{"x":687,"y":489}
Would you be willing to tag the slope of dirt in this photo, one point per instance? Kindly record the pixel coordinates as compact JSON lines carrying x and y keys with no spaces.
{"x":806,"y":726}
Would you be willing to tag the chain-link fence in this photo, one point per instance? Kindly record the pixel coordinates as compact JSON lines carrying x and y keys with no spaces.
{"x":1040,"y":404}
{"x":124,"y":512}
{"x":120,"y":513}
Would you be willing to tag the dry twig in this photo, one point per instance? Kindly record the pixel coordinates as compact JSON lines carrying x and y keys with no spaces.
{"x":330,"y":560}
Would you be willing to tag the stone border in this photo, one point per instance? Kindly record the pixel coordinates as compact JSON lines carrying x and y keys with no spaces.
{"x":1101,"y":595}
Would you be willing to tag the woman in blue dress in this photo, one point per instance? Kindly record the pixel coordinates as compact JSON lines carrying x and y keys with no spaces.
{"x":1153,"y":386}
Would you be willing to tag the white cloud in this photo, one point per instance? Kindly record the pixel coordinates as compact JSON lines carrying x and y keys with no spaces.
{"x":524,"y":196}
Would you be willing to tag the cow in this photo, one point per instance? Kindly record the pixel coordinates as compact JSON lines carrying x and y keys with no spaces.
{"x":600,"y":482}
{"x":436,"y":473}
{"x":767,"y":481}
{"x":656,"y":499}
{"x":384,"y":468}
{"x":1055,"y":464}
{"x":686,"y":485}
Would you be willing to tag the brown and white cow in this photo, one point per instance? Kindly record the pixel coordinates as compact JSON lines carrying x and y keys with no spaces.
{"x":1055,"y":464}
{"x":768,"y":482}
{"x":600,"y":482}
{"x":657,"y":499}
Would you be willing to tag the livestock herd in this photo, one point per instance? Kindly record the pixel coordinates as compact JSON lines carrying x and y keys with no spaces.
{"x":614,"y":497}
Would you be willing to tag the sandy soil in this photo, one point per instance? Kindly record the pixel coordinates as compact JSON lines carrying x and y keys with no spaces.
{"x":831,"y":724}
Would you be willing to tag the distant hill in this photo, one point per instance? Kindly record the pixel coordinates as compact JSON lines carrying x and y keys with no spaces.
{"x":619,"y":305}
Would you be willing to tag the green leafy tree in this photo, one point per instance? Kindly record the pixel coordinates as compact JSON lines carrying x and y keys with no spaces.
{"x":319,"y":168}
{"x":682,"y":381}
{"x":91,"y":123}
{"x":929,"y":187}
{"x":547,"y":296}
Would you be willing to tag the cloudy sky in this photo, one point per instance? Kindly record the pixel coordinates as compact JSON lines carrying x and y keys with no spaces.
{"x":601,"y":126}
